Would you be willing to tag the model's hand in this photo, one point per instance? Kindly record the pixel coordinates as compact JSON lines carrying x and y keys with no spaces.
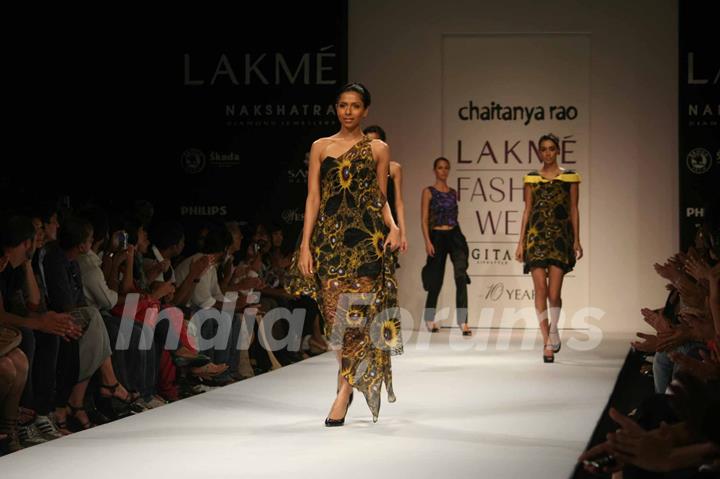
{"x":3,"y":263}
{"x":392,"y":240}
{"x":519,"y":253}
{"x":403,"y":243}
{"x":305,"y":262}
{"x":578,"y":250}
{"x":429,"y":248}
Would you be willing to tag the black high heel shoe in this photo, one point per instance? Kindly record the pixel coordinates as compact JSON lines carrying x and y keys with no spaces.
{"x":551,"y":357}
{"x":340,"y":422}
{"x":74,"y":422}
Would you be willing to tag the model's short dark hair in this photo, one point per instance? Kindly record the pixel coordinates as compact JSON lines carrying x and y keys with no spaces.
{"x":217,"y":240}
{"x":438,"y":160}
{"x":167,"y":234}
{"x":376,"y":129}
{"x":74,"y":231}
{"x":14,"y":230}
{"x":549,"y":137}
{"x":358,"y":88}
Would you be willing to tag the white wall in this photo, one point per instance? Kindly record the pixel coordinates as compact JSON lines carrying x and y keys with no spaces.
{"x":395,"y":49}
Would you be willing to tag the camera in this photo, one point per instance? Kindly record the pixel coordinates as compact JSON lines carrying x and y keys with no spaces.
{"x":122,"y":240}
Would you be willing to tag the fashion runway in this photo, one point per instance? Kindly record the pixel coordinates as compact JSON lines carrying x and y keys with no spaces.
{"x":463,"y":410}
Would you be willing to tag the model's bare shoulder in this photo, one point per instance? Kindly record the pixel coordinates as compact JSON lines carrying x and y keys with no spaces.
{"x":379,"y":146}
{"x":321,"y":145}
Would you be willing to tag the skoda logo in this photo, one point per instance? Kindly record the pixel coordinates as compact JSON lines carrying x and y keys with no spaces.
{"x":699,"y":161}
{"x":193,"y":161}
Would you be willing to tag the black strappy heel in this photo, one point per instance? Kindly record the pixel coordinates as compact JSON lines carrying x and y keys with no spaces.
{"x":77,"y":424}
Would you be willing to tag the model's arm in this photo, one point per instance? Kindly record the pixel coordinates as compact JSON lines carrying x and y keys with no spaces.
{"x":312,"y":207}
{"x":527,"y":197}
{"x":396,"y":176}
{"x":575,"y":218}
{"x":381,"y":153}
{"x":425,"y":220}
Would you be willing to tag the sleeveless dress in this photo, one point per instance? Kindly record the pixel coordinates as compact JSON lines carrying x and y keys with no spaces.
{"x":549,"y":237}
{"x":354,"y":282}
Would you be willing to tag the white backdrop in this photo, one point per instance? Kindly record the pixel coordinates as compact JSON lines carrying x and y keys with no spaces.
{"x":615,"y":61}
{"x":494,"y":111}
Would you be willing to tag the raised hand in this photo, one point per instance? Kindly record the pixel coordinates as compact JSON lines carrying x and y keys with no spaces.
{"x":707,"y":369}
{"x":648,"y":343}
{"x":669,"y":340}
{"x":633,"y":445}
{"x":655,"y":319}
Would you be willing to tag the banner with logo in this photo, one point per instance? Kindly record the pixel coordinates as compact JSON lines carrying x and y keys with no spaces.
{"x":246,"y":106}
{"x":500,"y":94}
{"x":699,"y":123}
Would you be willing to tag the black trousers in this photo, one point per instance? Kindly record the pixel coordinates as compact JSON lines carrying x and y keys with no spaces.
{"x":68,"y":369}
{"x":447,"y":242}
{"x":136,"y":368}
{"x":44,"y":371}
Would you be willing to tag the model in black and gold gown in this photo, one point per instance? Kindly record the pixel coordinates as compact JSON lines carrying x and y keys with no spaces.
{"x":349,"y":270}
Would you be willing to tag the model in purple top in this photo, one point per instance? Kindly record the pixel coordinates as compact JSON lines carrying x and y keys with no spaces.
{"x":442,"y":237}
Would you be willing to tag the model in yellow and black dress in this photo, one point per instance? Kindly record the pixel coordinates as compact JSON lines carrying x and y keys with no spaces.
{"x":345,"y":262}
{"x":549,"y":239}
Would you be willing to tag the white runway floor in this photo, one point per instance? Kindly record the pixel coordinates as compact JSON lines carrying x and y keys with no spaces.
{"x":482,"y":413}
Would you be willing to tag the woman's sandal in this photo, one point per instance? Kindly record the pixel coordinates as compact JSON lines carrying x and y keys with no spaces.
{"x":209,"y":370}
{"x":195,"y":361}
{"x":77,"y":424}
{"x":61,"y":425}
{"x":130,"y":399}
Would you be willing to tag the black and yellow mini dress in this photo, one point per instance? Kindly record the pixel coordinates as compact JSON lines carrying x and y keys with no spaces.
{"x":549,"y":237}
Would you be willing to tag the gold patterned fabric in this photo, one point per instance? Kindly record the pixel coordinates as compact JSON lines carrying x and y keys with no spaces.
{"x":354,"y":282}
{"x":549,"y":237}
